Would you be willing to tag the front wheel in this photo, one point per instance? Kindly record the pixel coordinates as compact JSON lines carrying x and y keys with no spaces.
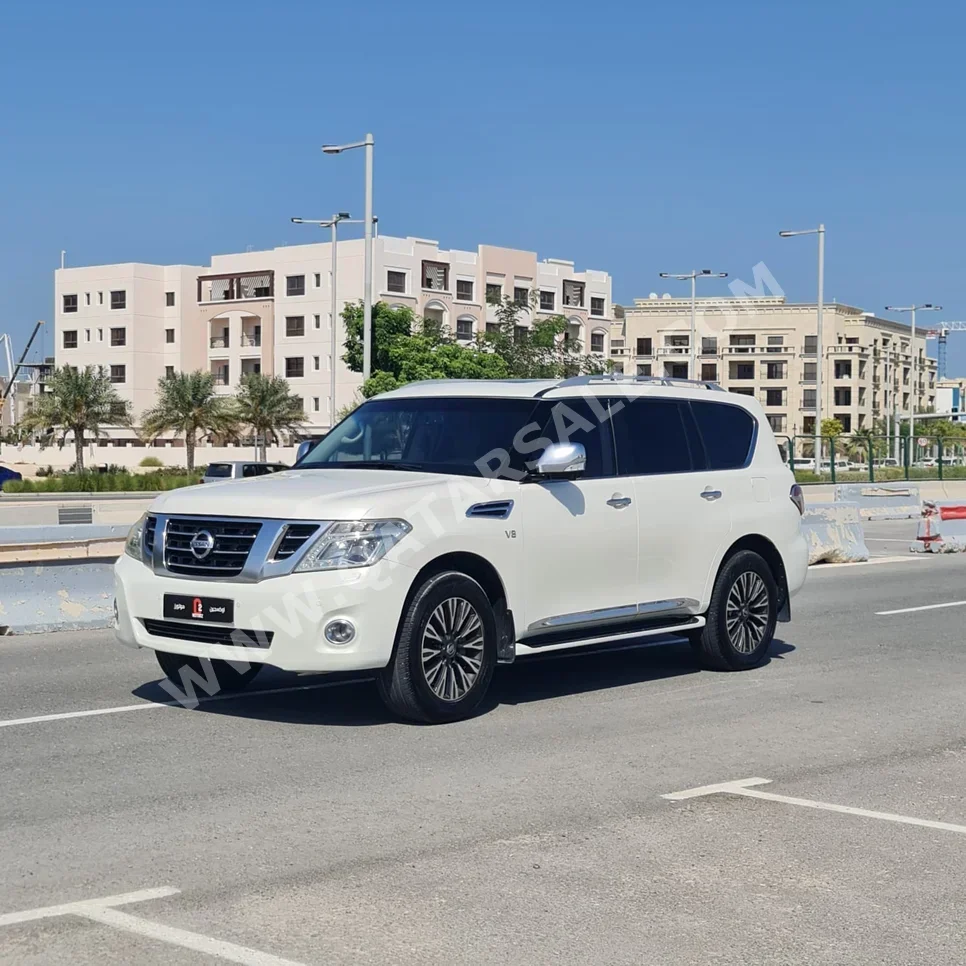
{"x":445,"y":651}
{"x":741,"y":619}
{"x":181,"y":669}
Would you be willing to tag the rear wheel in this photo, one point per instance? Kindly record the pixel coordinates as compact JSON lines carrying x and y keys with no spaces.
{"x":229,"y":678}
{"x":445,"y":651}
{"x":740,"y":622}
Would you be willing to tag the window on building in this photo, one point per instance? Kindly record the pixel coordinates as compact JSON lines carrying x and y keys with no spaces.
{"x":118,"y":373}
{"x":70,"y":338}
{"x":494,"y":291}
{"x":843,"y":397}
{"x":70,"y":303}
{"x":852,"y":340}
{"x":741,"y":340}
{"x":645,"y":347}
{"x":744,"y":370}
{"x":548,"y":300}
{"x":294,"y":325}
{"x":775,"y":370}
{"x":119,"y":336}
{"x":395,"y":281}
{"x":811,"y":345}
{"x":808,"y":425}
{"x":777,"y":422}
{"x":318,"y":321}
{"x":521,"y":296}
{"x":168,"y":372}
{"x":295,"y":285}
{"x":316,"y":363}
{"x":493,"y":327}
{"x":519,"y":333}
{"x":776,"y":340}
{"x":846,"y":420}
{"x":169,"y":299}
{"x":742,"y":392}
{"x":315,"y":403}
{"x":464,"y":329}
{"x":808,"y":398}
{"x":294,"y":367}
{"x":596,"y":341}
{"x":810,"y":371}
{"x":679,"y":341}
{"x":87,"y":335}
{"x":119,"y":300}
{"x":709,"y":346}
{"x":709,"y":372}
{"x":464,"y":289}
{"x":573,"y":294}
{"x":596,"y":305}
{"x":436,"y":276}
{"x":644,"y":369}
{"x":87,"y":298}
{"x":298,"y":403}
{"x":100,"y":335}
{"x":727,"y":432}
{"x":169,"y":336}
{"x":843,"y":370}
{"x":100,"y":298}
{"x":774,"y":397}
{"x":318,"y":280}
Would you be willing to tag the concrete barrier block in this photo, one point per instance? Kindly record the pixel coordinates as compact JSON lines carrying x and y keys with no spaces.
{"x":942,"y":528}
{"x":57,"y":596}
{"x":834,"y":533}
{"x":881,"y":501}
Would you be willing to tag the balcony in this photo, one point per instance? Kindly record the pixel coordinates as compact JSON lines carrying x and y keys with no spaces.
{"x":236,"y":287}
{"x":219,"y":342}
{"x":251,"y":341}
{"x":848,"y":350}
{"x":673,"y":350}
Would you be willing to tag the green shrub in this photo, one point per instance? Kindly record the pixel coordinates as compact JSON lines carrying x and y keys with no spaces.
{"x":104,"y":482}
{"x":150,"y":461}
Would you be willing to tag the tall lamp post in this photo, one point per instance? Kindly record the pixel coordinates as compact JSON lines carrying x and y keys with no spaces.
{"x":368,"y":143}
{"x":332,"y":223}
{"x":694,"y":276}
{"x":820,"y":231}
{"x":912,"y":309}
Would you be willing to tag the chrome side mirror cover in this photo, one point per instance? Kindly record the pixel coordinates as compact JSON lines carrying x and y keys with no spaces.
{"x":304,"y":447}
{"x":561,"y":461}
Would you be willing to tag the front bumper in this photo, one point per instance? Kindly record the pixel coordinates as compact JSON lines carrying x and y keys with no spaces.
{"x":295,"y":608}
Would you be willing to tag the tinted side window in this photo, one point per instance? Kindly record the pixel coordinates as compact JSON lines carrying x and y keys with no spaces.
{"x":652,"y":437}
{"x":221,"y":470}
{"x":575,"y":421}
{"x":727,"y":432}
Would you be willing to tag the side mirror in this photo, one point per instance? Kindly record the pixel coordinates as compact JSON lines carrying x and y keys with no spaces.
{"x":303,"y":448}
{"x":562,"y":461}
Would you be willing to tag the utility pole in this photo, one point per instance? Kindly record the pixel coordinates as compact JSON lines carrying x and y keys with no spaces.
{"x":692,"y":339}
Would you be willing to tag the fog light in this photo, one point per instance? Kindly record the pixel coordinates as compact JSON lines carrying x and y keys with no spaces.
{"x":339,"y":632}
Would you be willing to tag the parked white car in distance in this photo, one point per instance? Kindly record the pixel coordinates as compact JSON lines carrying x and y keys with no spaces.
{"x":448,"y":526}
{"x":239,"y":470}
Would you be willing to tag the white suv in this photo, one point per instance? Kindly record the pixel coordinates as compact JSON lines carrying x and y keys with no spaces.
{"x":449,"y":526}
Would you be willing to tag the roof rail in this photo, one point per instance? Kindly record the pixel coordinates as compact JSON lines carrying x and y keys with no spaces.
{"x":617,"y":377}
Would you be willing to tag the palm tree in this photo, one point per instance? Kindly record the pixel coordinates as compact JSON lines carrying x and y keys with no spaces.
{"x":187,"y":405}
{"x":265,"y":403}
{"x":78,"y":401}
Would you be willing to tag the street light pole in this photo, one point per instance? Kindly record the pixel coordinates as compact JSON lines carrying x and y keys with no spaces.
{"x":819,"y":348}
{"x":368,"y":143}
{"x":914,"y":391}
{"x":692,"y":339}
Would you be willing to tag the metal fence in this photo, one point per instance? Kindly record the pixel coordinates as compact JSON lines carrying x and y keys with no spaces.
{"x":860,"y":457}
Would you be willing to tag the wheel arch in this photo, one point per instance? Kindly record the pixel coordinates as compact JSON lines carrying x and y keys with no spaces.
{"x":772,"y":556}
{"x":486,"y":575}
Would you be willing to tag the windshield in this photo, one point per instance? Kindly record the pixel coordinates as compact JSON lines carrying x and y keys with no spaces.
{"x":433,"y":435}
{"x":218,"y":470}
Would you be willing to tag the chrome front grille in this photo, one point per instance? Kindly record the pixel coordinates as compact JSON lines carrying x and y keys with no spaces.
{"x":233,"y":540}
{"x":150,"y":528}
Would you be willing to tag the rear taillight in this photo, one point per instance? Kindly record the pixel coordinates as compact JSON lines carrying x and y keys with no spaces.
{"x":797,"y":497}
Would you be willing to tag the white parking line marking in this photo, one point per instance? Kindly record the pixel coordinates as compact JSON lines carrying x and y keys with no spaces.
{"x":744,"y":787}
{"x":103,"y":911}
{"x":913,"y":610}
{"x":148,"y":705}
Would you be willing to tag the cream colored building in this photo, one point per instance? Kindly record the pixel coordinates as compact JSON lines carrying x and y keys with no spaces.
{"x":766,"y":347}
{"x":270,"y":311}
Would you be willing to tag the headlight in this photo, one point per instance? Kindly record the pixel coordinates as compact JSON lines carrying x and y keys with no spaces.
{"x":353,"y":543}
{"x":135,"y":537}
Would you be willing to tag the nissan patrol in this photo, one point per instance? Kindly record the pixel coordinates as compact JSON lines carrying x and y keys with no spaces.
{"x":449,"y":526}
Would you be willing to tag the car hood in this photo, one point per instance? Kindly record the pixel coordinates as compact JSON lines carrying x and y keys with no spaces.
{"x":300,"y":494}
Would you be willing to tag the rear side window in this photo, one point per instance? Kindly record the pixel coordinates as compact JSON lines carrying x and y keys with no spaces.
{"x":727,"y":432}
{"x":654,"y":436}
{"x":218,"y":470}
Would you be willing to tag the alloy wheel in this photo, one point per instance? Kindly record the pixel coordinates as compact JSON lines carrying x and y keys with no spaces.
{"x":452,"y":649}
{"x":747,"y":612}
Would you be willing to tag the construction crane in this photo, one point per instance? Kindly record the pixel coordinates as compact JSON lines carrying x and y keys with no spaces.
{"x":940,"y":333}
{"x":8,"y":345}
{"x":13,"y":370}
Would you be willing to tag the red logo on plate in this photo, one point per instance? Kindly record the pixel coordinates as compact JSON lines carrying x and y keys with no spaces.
{"x":196,"y":609}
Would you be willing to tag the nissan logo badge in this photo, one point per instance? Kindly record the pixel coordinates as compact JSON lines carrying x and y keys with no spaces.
{"x":202,"y":543}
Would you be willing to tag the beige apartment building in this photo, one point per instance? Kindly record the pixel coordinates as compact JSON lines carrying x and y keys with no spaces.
{"x":271,"y":311}
{"x":767,"y":348}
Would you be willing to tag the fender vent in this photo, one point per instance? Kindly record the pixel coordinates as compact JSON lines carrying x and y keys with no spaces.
{"x":497,"y":510}
{"x":293,"y":539}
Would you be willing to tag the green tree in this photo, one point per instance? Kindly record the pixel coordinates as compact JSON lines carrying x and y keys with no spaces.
{"x":388,"y":325}
{"x":266,"y":405}
{"x":832,"y":427}
{"x":187,"y":405}
{"x":77,"y":401}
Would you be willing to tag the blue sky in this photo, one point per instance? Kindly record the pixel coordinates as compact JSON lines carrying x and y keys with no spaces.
{"x":635,"y":138}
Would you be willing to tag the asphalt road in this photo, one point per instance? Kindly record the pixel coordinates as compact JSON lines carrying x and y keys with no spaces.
{"x":304,"y":827}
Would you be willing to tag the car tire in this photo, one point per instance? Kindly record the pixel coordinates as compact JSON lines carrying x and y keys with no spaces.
{"x":228,"y":677}
{"x":740,"y":622}
{"x":445,"y":651}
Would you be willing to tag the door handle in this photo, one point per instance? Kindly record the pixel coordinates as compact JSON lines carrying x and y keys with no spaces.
{"x":618,"y":501}
{"x":710,"y":495}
